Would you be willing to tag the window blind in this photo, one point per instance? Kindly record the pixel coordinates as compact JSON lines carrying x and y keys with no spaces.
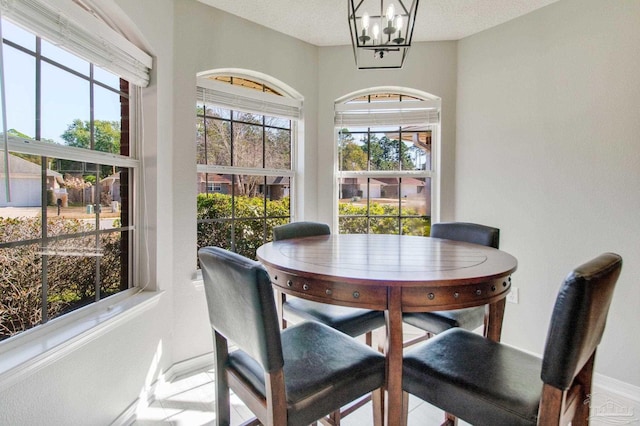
{"x":68,"y":26}
{"x":408,"y":113}
{"x":248,"y":100}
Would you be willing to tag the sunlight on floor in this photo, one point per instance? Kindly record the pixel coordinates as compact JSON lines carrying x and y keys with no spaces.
{"x":189,"y":401}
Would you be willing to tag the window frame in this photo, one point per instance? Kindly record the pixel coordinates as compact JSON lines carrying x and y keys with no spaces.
{"x":421,"y":109}
{"x":33,"y":146}
{"x":276,"y":101}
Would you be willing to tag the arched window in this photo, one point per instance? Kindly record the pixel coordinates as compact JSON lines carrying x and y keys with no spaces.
{"x":386,"y":177}
{"x":246,"y":129}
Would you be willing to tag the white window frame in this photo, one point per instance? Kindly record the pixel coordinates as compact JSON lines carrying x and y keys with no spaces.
{"x":236,"y":98}
{"x":425,"y":112}
{"x":67,"y":24}
{"x":252,"y":101}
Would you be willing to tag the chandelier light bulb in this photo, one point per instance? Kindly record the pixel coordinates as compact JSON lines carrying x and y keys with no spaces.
{"x":364,"y":38}
{"x":391,"y":12}
{"x":376,"y":32}
{"x":399,"y":39}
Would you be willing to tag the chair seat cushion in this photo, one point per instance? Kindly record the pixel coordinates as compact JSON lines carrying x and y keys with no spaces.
{"x":439,"y":321}
{"x":324,"y":369}
{"x":475,"y":379}
{"x":351,"y":321}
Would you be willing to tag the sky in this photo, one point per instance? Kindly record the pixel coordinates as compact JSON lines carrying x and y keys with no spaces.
{"x":65,"y":97}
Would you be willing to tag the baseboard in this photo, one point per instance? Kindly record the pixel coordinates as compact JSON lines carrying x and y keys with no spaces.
{"x":613,"y":402}
{"x":176,"y":371}
{"x":189,"y":366}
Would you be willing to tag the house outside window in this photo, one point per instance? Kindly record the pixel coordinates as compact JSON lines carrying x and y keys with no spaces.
{"x":245,"y":154}
{"x":66,"y":205}
{"x":385,"y":174}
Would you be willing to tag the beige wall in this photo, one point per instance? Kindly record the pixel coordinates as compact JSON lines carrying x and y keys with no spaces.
{"x":548,"y":150}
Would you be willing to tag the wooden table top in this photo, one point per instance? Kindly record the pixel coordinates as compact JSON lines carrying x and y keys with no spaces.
{"x":377,"y":259}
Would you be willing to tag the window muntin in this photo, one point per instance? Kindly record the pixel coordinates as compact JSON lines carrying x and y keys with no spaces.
{"x":244,"y":172}
{"x":384,"y":172}
{"x":66,"y":234}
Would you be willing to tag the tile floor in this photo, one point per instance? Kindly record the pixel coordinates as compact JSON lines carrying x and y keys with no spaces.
{"x":188,"y":401}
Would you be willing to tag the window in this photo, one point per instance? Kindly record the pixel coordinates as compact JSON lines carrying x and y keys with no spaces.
{"x":245,"y":134}
{"x":66,"y":205}
{"x":385,"y":163}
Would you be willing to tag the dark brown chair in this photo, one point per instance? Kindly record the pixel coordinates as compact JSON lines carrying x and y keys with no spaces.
{"x":468,"y":318}
{"x":293,"y":377}
{"x":351,"y":321}
{"x":488,"y":383}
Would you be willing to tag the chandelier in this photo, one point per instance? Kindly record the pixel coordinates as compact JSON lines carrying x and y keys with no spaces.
{"x":381,"y":31}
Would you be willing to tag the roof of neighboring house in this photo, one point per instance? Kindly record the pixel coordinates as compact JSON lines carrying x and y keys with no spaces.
{"x":363,"y":181}
{"x":412,"y":181}
{"x":21,"y":167}
{"x":214,"y":178}
{"x":277,"y":180}
{"x":405,"y":181}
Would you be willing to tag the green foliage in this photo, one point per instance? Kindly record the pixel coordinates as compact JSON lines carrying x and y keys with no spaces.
{"x":70,"y":279}
{"x":381,"y":152}
{"x":249,"y":230}
{"x":106,"y":135}
{"x":91,"y":179}
{"x":383,"y":219}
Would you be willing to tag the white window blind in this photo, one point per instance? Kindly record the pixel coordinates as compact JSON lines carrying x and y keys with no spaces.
{"x":248,"y":100}
{"x":387,"y":114}
{"x":65,"y":24}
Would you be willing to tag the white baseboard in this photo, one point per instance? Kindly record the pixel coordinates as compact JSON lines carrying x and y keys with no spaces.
{"x":613,"y":402}
{"x":619,"y":388}
{"x":177,"y":370}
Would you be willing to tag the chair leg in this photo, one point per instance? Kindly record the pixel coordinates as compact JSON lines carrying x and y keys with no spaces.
{"x":584,"y":379}
{"x":222,"y":401}
{"x":378,"y":406}
{"x":280,"y":299}
{"x":450,"y":420}
{"x":405,"y":408}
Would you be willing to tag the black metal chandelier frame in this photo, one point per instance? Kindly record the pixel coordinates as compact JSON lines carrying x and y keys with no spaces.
{"x":387,"y":34}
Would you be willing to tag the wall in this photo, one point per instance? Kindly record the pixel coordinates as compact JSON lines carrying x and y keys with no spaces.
{"x":548,"y":150}
{"x":207,"y":39}
{"x":430,"y":67}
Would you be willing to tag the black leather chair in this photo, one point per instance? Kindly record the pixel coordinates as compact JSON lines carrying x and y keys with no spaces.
{"x":488,"y":383}
{"x":468,"y":318}
{"x":351,"y":321}
{"x":293,"y":377}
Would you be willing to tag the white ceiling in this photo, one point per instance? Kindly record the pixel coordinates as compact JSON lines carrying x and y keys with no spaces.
{"x":324,"y":22}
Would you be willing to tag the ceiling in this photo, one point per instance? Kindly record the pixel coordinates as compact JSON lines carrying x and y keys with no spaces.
{"x":324,"y":22}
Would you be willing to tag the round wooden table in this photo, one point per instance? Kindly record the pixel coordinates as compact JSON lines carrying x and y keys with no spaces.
{"x":394,"y":273}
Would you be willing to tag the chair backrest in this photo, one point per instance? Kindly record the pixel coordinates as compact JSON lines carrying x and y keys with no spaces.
{"x":241,"y":304}
{"x":467,"y":232}
{"x":300,"y":230}
{"x":578,"y":319}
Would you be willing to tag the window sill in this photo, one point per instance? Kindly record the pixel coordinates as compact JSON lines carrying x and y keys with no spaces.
{"x":36,"y":348}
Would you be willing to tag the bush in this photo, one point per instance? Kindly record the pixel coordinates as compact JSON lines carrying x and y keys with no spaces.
{"x":70,"y":279}
{"x":250,"y":228}
{"x":383,"y":219}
